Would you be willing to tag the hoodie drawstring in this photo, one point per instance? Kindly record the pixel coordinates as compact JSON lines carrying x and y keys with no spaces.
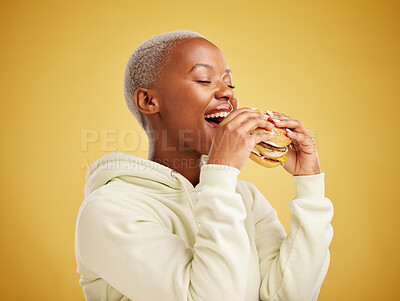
{"x":173,"y":172}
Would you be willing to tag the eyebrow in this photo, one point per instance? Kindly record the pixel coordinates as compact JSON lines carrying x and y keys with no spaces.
{"x":208,"y":67}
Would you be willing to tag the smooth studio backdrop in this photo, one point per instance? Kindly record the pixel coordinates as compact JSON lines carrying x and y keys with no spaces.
{"x":333,"y":65}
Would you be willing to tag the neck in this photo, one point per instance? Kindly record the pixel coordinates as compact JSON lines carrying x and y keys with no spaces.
{"x":187,"y":163}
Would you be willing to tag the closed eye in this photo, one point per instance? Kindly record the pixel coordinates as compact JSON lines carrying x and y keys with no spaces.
{"x":209,"y":82}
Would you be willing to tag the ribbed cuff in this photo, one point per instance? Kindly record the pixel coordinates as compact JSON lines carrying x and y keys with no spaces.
{"x":219,"y":176}
{"x":309,"y":186}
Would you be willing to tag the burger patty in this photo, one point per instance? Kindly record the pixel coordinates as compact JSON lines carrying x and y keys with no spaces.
{"x":273,"y":148}
{"x":264,"y":157}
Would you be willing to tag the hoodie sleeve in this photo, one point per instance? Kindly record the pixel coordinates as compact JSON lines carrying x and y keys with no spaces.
{"x":294,"y":266}
{"x":141,"y":258}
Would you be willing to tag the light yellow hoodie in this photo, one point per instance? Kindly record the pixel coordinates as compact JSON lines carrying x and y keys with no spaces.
{"x":144,"y":233}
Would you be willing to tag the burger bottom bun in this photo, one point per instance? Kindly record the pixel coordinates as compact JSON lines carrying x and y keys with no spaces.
{"x":263,"y":162}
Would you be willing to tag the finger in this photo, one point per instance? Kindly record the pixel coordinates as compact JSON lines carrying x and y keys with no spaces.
{"x":293,"y":124}
{"x":282,"y":120}
{"x":270,"y":113}
{"x":255,"y":121}
{"x":279,"y":115}
{"x":262,"y":137}
{"x":255,"y":138}
{"x":301,"y":141}
{"x":237,"y":112}
{"x":249,"y":120}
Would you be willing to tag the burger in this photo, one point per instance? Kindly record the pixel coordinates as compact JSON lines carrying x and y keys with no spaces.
{"x":271,"y":153}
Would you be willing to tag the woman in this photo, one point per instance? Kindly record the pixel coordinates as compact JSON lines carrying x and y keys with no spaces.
{"x":180,"y":225}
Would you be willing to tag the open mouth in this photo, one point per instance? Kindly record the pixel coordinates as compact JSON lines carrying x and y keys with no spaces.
{"x":215,"y":119}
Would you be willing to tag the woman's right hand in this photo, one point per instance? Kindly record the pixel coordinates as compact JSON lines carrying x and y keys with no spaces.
{"x":233,"y":143}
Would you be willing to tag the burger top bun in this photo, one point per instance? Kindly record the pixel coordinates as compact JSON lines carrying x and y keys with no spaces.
{"x":279,"y":139}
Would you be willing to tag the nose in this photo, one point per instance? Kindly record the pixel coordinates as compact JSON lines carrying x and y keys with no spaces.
{"x":224,"y":92}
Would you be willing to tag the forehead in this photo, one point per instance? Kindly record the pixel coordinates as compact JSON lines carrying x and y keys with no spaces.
{"x":193,"y":51}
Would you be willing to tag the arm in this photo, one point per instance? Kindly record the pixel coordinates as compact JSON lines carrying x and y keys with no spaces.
{"x":293,"y":267}
{"x":132,"y":251}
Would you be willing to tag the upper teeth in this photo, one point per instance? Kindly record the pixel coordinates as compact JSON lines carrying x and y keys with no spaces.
{"x":219,"y":114}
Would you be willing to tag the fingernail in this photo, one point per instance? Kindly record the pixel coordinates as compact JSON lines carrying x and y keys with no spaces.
{"x":266,"y":116}
{"x":270,"y":113}
{"x":276,"y":120}
{"x":271,"y":124}
{"x":289,"y":131}
{"x":254,"y":108}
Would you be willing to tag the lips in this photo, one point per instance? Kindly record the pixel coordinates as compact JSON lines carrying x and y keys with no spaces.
{"x":214,"y":116}
{"x":219,"y":109}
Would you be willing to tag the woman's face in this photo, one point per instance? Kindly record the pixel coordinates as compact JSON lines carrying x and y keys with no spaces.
{"x":195,"y":80}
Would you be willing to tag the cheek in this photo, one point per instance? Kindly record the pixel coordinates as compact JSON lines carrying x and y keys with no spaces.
{"x":195,"y":95}
{"x":187,"y":101}
{"x":191,"y":103}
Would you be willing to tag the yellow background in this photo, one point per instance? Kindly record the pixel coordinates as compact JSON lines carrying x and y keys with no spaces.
{"x":333,"y":65}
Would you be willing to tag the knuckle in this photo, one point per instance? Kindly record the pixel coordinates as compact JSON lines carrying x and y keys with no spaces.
{"x":228,"y":126}
{"x":300,"y":137}
{"x":235,"y":130}
{"x":310,"y":140}
{"x":247,"y":109}
{"x":242,"y":111}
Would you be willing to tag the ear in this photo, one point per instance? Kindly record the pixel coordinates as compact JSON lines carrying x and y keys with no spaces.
{"x":146,"y":101}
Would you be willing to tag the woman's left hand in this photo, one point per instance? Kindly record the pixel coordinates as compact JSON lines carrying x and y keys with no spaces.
{"x":302,"y":157}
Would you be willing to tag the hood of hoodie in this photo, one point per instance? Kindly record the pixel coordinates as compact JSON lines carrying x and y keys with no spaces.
{"x":136,"y":170}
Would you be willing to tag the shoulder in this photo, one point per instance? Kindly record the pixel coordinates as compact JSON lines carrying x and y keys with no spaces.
{"x":113,"y":200}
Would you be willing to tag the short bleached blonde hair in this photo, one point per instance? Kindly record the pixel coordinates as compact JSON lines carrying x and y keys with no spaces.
{"x":146,"y":62}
